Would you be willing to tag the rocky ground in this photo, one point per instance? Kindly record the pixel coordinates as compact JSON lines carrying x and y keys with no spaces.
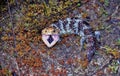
{"x":23,"y":53}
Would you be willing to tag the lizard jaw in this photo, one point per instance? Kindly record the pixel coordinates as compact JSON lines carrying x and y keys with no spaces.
{"x":50,"y":40}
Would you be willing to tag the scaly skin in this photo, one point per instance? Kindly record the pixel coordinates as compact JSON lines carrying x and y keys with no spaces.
{"x":74,"y":25}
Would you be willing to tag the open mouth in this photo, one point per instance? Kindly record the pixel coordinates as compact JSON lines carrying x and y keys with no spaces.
{"x":50,"y":40}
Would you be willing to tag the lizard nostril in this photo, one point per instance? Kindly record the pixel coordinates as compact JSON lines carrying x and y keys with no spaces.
{"x":50,"y":39}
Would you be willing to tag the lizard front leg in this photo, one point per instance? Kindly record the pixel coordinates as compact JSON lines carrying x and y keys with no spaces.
{"x":82,"y":41}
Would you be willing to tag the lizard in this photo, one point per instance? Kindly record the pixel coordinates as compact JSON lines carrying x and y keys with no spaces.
{"x":72,"y":25}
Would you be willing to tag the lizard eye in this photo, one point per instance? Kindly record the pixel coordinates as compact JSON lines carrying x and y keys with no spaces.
{"x":53,"y":30}
{"x":45,"y":30}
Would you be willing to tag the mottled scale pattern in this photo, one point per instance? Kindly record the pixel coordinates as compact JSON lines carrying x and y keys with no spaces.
{"x":69,"y":25}
{"x":77,"y":25}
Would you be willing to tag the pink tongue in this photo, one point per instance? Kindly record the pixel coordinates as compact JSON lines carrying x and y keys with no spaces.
{"x":50,"y":41}
{"x":55,"y":37}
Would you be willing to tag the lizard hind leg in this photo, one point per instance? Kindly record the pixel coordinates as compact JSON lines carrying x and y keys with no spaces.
{"x":90,"y":54}
{"x":97,"y":39}
{"x":97,"y":35}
